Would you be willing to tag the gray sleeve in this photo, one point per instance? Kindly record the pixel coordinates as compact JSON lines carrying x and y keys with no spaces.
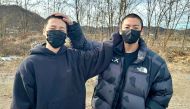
{"x":161,"y":90}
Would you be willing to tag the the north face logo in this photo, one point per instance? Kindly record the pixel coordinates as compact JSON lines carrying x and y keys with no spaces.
{"x":142,"y":69}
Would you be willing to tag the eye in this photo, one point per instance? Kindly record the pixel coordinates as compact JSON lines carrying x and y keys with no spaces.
{"x":136,"y":28}
{"x":62,"y":29}
{"x":51,"y":28}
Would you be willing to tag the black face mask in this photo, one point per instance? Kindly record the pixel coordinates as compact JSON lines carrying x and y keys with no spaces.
{"x":56,"y":38}
{"x":130,"y":36}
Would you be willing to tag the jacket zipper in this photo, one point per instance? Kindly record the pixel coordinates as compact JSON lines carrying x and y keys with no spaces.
{"x":120,"y":88}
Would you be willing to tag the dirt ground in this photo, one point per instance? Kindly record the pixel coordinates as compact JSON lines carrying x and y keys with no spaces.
{"x":180,"y":72}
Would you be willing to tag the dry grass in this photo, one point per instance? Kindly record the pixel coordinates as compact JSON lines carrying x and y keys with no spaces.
{"x":18,"y":45}
{"x":181,"y":79}
{"x":7,"y":71}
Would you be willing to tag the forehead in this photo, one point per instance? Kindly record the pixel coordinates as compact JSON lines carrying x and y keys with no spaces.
{"x":56,"y":22}
{"x":132,"y":21}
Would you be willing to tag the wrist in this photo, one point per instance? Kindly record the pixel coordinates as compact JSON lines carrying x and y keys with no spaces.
{"x":70,"y":23}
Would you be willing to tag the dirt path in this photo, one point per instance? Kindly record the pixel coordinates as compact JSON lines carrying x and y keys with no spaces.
{"x":181,"y":84}
{"x":180,"y":73}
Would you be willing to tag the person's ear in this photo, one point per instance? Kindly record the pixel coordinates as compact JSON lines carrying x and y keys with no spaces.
{"x":142,"y":31}
{"x":44,"y":31}
{"x":120,"y":29}
{"x":66,"y":27}
{"x":66,"y":31}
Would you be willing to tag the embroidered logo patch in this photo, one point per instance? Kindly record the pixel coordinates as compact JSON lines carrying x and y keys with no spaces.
{"x":115,"y":60}
{"x":142,"y":69}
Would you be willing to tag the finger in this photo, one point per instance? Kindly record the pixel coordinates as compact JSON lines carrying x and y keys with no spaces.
{"x":66,"y":20}
{"x":60,"y":14}
{"x":57,"y":14}
{"x":65,"y":16}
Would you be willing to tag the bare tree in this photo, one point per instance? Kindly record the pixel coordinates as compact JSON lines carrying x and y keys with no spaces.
{"x":110,"y":13}
{"x":185,"y":33}
{"x":28,"y":4}
{"x":88,"y":14}
{"x":2,"y":27}
{"x":77,"y":9}
{"x":186,"y":28}
{"x":122,"y":9}
{"x":150,"y":11}
{"x":172,"y":18}
{"x":162,"y":7}
{"x":18,"y":2}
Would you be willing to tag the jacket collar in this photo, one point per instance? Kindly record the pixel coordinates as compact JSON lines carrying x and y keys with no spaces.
{"x":118,"y":47}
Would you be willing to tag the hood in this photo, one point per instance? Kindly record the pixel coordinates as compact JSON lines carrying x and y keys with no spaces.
{"x":118,"y":47}
{"x":42,"y":50}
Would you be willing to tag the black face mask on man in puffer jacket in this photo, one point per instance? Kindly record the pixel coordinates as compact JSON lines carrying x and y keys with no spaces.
{"x":130,"y":36}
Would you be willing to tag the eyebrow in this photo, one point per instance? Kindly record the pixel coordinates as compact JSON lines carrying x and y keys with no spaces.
{"x":52,"y":26}
{"x":132,"y":25}
{"x":55,"y":26}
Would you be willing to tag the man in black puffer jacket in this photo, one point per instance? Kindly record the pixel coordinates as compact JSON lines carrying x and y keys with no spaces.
{"x":137,"y":78}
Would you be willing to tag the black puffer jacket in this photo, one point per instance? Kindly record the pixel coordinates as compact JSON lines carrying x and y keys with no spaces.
{"x":147,"y":83}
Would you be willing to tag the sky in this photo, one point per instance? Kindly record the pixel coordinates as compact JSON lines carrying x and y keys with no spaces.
{"x":140,"y":10}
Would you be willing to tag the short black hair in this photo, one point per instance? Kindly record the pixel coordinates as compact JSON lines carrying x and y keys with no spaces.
{"x":52,"y":16}
{"x":132,"y":15}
